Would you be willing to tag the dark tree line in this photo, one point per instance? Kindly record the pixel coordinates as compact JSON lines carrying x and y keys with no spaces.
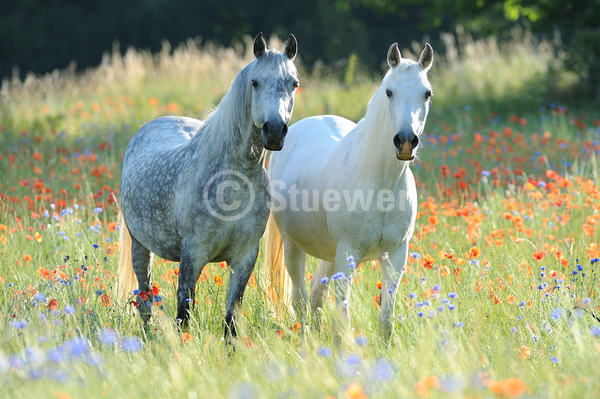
{"x":42,"y":35}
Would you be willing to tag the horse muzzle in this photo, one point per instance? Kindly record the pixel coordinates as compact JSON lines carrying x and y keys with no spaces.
{"x":406,"y":144}
{"x":273,"y":135}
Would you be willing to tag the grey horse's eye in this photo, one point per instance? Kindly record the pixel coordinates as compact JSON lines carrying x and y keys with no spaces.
{"x":296,"y":84}
{"x":428,"y":94}
{"x":254,"y":83}
{"x":388,"y":92}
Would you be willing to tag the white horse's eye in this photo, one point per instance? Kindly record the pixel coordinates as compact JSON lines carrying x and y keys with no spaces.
{"x":388,"y":92}
{"x":428,"y":94}
{"x":254,"y":83}
{"x":296,"y":84}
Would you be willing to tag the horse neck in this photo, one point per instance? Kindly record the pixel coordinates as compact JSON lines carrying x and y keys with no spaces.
{"x":230,"y":133}
{"x":372,"y":149}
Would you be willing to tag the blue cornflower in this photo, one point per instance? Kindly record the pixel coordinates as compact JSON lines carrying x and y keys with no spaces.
{"x":595,"y":260}
{"x":39,"y":297}
{"x":579,"y":267}
{"x":595,"y":331}
{"x":459,"y":324}
{"x":415,"y":255}
{"x":69,"y":309}
{"x":452,"y":295}
{"x":324,"y":280}
{"x":412,"y":295}
{"x":436,"y":288}
{"x":132,"y":344}
{"x":384,"y":370}
{"x":557,"y":313}
{"x":108,"y":336}
{"x":324,"y":351}
{"x":57,"y":355}
{"x":77,"y":346}
{"x":586,"y":301}
{"x":338,"y":275}
{"x":20,"y":324}
{"x":361,"y":340}
{"x":554,"y":359}
{"x":98,"y":292}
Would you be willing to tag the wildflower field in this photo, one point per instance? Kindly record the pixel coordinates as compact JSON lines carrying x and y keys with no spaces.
{"x":501,"y":295}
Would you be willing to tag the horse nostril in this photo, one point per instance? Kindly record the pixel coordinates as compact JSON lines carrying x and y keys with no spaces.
{"x":266,"y":127}
{"x":284,"y":130}
{"x":397,"y":141}
{"x":415,"y":141}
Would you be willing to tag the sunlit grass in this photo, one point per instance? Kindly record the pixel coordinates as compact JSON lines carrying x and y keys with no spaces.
{"x":501,"y":293}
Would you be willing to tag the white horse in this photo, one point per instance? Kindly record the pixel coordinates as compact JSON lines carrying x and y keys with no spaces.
{"x":344,"y":192}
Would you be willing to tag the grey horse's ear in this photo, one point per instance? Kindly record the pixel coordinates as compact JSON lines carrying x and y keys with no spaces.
{"x":260,"y":46}
{"x":426,"y":59}
{"x":291,"y":48}
{"x":393,"y":56}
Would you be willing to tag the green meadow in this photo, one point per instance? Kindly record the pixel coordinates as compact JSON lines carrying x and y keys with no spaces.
{"x":500,"y":298}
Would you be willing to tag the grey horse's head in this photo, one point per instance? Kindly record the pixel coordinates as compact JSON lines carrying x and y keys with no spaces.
{"x":273,"y":80}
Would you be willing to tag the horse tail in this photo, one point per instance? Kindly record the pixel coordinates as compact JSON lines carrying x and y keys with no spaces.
{"x":126,"y":280}
{"x":279,"y":284}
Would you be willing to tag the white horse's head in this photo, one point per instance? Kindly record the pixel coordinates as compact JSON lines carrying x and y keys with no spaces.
{"x":274,"y":80}
{"x":408,"y":91}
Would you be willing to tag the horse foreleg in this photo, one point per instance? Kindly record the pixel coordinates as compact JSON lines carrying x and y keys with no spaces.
{"x":392,"y":268}
{"x":240,"y":274}
{"x":319,"y":284}
{"x":295,"y":263}
{"x":141,"y":259}
{"x":190,"y":267}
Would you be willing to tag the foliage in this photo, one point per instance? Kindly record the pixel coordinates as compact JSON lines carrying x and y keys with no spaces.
{"x":40,"y":35}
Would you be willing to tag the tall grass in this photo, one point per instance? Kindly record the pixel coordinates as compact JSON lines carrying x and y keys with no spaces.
{"x":500,"y":297}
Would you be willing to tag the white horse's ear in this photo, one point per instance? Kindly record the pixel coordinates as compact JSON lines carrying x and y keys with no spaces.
{"x":393,"y":56}
{"x":260,"y":46}
{"x":291,"y":48}
{"x":426,"y":58}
